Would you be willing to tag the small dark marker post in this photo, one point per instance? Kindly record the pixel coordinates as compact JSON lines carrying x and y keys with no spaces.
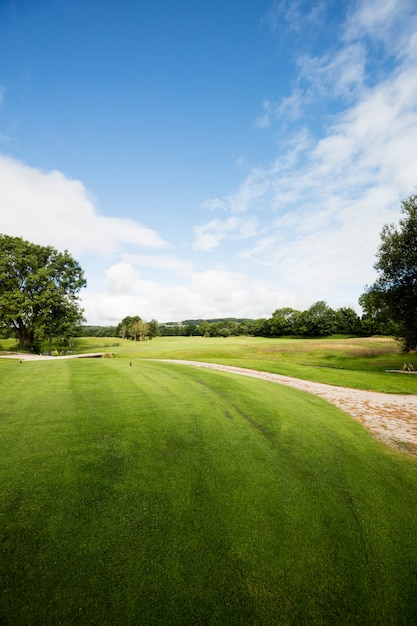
{"x":130,"y":363}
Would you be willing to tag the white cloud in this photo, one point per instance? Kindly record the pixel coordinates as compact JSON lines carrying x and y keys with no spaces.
{"x":48,"y":208}
{"x":304,"y":228}
{"x":392,"y":22}
{"x":288,"y":109}
{"x":295,"y":14}
{"x":212,"y":293}
{"x":323,"y":202}
{"x":121,"y":278}
{"x":338,"y":73}
{"x":209,"y":236}
{"x":370,"y":147}
{"x":167,"y":263}
{"x":373,"y":36}
{"x":214,"y":205}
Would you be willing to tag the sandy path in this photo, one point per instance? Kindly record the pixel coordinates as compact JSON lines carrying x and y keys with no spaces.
{"x":389,"y":417}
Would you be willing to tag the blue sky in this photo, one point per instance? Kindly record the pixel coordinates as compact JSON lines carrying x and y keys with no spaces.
{"x":208,"y":159}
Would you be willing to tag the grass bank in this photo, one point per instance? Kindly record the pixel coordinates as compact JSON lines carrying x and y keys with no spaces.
{"x":159,"y":494}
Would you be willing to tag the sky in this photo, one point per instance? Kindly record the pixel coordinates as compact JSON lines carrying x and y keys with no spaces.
{"x":205,"y":159}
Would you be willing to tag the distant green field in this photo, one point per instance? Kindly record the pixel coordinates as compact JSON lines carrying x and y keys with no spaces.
{"x":153,"y":493}
{"x":349,"y":362}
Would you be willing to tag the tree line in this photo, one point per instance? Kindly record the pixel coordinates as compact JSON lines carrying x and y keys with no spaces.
{"x":39,"y":302}
{"x":319,"y":320}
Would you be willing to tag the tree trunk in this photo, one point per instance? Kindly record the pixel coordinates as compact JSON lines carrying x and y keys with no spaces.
{"x":26,"y":337}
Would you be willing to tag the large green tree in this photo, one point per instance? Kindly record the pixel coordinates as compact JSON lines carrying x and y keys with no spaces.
{"x":348,"y":321}
{"x":318,"y":320}
{"x":125,"y":326}
{"x":393,"y":296}
{"x":39,"y":289}
{"x":284,"y":322}
{"x":153,"y":329}
{"x":138,"y":330}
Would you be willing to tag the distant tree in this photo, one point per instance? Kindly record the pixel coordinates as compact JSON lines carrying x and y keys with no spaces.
{"x":377,"y":319}
{"x":260,"y":327}
{"x":215,"y":327}
{"x":191,"y":330}
{"x":172,"y":329}
{"x":153,"y":329}
{"x":394,"y":293}
{"x":284,"y":322}
{"x":233,"y":327}
{"x":39,"y":289}
{"x":98,"y":331}
{"x":134,"y":330}
{"x":126,"y":323}
{"x":224,"y":332}
{"x":245,"y":327}
{"x":138,"y":330}
{"x":318,"y":320}
{"x":144,"y":330}
{"x":348,"y":321}
{"x":204,"y":328}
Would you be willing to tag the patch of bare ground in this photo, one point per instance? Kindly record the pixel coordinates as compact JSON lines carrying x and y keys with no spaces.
{"x":392,"y":418}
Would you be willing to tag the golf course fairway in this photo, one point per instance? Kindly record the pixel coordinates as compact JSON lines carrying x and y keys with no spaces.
{"x":156,"y":493}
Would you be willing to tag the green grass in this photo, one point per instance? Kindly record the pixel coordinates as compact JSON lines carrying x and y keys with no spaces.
{"x":349,"y":362}
{"x":164,"y":494}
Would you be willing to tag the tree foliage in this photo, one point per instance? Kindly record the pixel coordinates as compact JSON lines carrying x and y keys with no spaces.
{"x":348,"y":321}
{"x":138,"y":330}
{"x":39,"y":289}
{"x":123,"y":328}
{"x":284,"y":322}
{"x":393,"y":296}
{"x":319,"y":320}
{"x":135,"y":328}
{"x":153,"y":329}
{"x":98,"y":331}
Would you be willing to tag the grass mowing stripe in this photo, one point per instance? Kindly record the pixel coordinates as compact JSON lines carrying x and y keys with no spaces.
{"x":150,"y":494}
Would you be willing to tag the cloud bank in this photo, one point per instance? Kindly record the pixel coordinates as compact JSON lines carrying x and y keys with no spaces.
{"x":50,"y":209}
{"x":324,"y":199}
{"x":302,"y":228}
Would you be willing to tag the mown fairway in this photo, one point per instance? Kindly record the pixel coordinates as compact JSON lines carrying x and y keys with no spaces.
{"x":161,"y":494}
{"x":350,"y":362}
